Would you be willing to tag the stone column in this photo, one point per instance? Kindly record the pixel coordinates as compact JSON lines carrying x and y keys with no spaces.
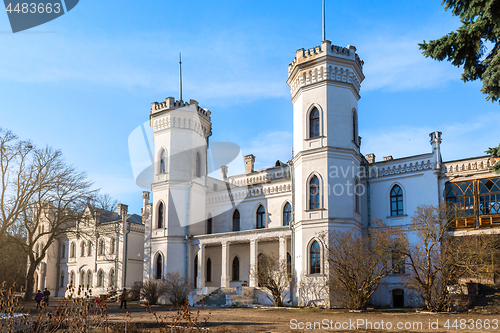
{"x":282,"y":248}
{"x":253,"y":262}
{"x":201,"y":267}
{"x":224,"y":279}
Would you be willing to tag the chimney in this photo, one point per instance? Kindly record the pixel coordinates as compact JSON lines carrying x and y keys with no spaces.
{"x":436,"y":148}
{"x":370,"y":158}
{"x":249,"y":163}
{"x":223,"y":171}
{"x":388,"y":158}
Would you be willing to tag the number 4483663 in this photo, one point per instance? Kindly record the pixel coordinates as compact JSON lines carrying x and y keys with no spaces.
{"x":34,"y":8}
{"x":471,"y":324}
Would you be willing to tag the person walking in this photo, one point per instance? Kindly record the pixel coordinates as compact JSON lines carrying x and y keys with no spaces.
{"x":124,"y":298}
{"x":46,"y":294}
{"x":38,"y":299}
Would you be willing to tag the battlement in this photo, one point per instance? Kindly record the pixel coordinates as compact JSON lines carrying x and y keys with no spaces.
{"x":325,"y":49}
{"x":171,"y":104}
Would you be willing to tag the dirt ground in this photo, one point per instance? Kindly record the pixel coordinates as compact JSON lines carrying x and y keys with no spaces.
{"x":309,"y":320}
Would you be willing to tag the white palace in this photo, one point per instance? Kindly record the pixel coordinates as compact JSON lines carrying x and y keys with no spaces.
{"x":212,"y":230}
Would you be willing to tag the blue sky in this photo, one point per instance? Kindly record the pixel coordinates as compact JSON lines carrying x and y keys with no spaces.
{"x":83,"y":82}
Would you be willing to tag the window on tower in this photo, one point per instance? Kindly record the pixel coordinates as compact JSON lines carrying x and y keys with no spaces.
{"x":314,"y":123}
{"x":314,"y":197}
{"x":160,"y":215}
{"x":198,"y":165}
{"x":163,"y":161}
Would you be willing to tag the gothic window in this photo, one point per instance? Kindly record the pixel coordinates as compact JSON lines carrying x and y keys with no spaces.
{"x":160,"y":215}
{"x":209,"y":225}
{"x":72,"y":252}
{"x":82,"y":246}
{"x":82,"y":278}
{"x":100,"y":278}
{"x":288,"y":263}
{"x":314,"y":196}
{"x":355,"y":127}
{"x":112,"y":246}
{"x":89,"y":279}
{"x":314,"y":123}
{"x":159,"y":264}
{"x":357,"y":189}
{"x":112,"y":277}
{"x":101,"y":247}
{"x":72,"y":278}
{"x":261,"y":217}
{"x":195,"y":271}
{"x":287,"y":214}
{"x":198,"y":165}
{"x":61,"y":283}
{"x":37,"y":251}
{"x":236,"y":220}
{"x":236,"y":269}
{"x":63,"y":250}
{"x":163,"y":161}
{"x":89,"y":248}
{"x":209,"y":270}
{"x":396,"y":201}
{"x":315,"y":258}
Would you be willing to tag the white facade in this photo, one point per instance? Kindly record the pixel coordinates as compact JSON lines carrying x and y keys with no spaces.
{"x":103,"y":253}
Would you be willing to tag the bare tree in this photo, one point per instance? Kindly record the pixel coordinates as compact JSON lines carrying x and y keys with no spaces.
{"x":437,"y":259}
{"x":357,"y":263}
{"x":42,"y":198}
{"x":176,"y":288}
{"x":273,"y":276}
{"x":151,"y":290}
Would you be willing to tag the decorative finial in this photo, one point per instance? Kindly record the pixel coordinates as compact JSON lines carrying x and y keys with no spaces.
{"x":324,"y":34}
{"x":180,"y":77}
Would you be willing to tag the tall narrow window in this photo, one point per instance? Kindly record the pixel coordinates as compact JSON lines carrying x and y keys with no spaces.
{"x":72,"y":278}
{"x":89,"y":279}
{"x":112,"y":277}
{"x":82,"y":245}
{"x":209,"y":270}
{"x":82,"y":279}
{"x":209,"y":225}
{"x":112,"y":246}
{"x":236,"y":220}
{"x":288,"y":263}
{"x":198,"y":165}
{"x":315,"y":258}
{"x":287,"y":214}
{"x":72,"y":250}
{"x":160,"y":215}
{"x":261,"y":217}
{"x":357,"y":189}
{"x":63,"y":250}
{"x":101,"y":247}
{"x":314,"y":123}
{"x":195,"y":271}
{"x":354,"y":127}
{"x":89,"y":248}
{"x":37,"y":251}
{"x":100,"y":278}
{"x":396,"y":201}
{"x":61,"y":283}
{"x":314,"y":193}
{"x":159,"y":263}
{"x":163,"y":161}
{"x":236,"y":269}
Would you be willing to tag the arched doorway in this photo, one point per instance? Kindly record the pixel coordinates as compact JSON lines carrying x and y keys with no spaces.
{"x":398,"y":298}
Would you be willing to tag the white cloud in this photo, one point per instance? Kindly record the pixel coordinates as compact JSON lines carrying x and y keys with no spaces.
{"x":460,"y":139}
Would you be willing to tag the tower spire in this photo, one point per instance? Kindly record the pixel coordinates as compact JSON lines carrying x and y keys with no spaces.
{"x":324,"y":34}
{"x":180,"y":77}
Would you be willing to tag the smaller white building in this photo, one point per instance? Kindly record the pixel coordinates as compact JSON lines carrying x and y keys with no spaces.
{"x":103,"y":252}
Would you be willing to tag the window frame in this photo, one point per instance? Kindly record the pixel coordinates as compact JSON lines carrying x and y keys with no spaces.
{"x":287,"y":213}
{"x":316,"y":259}
{"x":398,"y":199}
{"x":317,"y":122}
{"x":238,"y":219}
{"x":316,"y":203}
{"x":260,"y":217}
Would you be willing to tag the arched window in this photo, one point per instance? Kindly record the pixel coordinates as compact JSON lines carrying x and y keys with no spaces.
{"x":209,"y":270}
{"x":112,"y":277}
{"x":287,"y":214}
{"x":159,"y":266}
{"x":100,"y":278}
{"x":82,"y":278}
{"x":61,"y":283}
{"x":37,"y":251}
{"x":315,"y":258}
{"x":209,"y":225}
{"x":355,"y":127}
{"x":101,"y":247}
{"x":288,"y":263}
{"x":89,"y":279}
{"x":314,"y":123}
{"x":198,"y":165}
{"x":160,"y":215}
{"x":72,"y":251}
{"x":163,"y":161}
{"x":314,"y":193}
{"x":195,"y":271}
{"x":89,"y":248}
{"x":63,"y":250}
{"x":82,"y":249}
{"x":357,"y":193}
{"x":72,"y":278}
{"x":261,"y":217}
{"x":236,"y":269}
{"x":112,"y":246}
{"x":396,"y":201}
{"x":236,"y":220}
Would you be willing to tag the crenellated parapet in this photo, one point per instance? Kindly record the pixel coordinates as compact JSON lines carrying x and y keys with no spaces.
{"x":400,"y":166}
{"x":477,"y":164}
{"x":325,"y":63}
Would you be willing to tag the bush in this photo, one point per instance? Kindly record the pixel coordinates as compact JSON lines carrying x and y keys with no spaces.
{"x":151,"y":289}
{"x":176,"y":288}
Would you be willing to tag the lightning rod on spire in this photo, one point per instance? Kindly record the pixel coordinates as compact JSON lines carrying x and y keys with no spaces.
{"x":180,"y":77}
{"x":324,"y":34}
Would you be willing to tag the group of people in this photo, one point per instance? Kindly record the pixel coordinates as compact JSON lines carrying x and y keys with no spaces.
{"x":42,"y":297}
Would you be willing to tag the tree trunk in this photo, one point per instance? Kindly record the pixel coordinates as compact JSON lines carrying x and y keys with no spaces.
{"x":30,"y":280}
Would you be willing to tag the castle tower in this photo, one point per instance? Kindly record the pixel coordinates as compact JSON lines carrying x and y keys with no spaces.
{"x":325,"y":82}
{"x":180,"y":132}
